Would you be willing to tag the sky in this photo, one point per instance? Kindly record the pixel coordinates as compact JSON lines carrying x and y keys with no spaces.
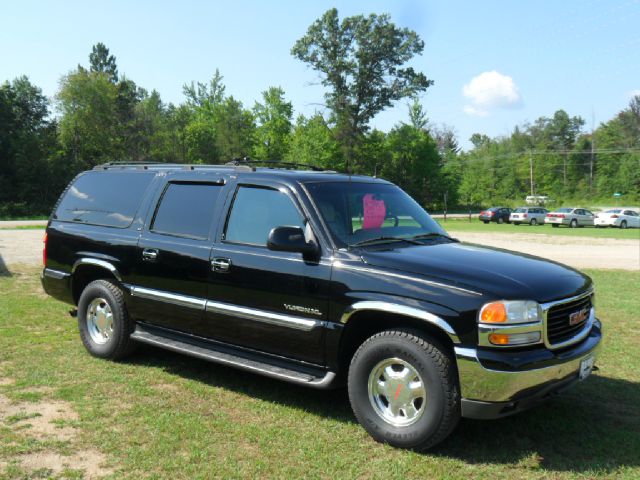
{"x":495,"y":64}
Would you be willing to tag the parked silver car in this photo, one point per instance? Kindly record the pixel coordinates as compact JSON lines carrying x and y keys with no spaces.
{"x":571,"y":217}
{"x":530,"y":215}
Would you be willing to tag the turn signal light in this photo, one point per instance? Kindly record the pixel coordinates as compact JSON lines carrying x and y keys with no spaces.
{"x":499,"y":338}
{"x":494,"y":313}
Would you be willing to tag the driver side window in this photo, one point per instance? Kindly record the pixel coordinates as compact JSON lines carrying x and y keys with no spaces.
{"x":255,"y":211}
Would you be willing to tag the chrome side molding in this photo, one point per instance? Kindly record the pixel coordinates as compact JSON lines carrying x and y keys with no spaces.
{"x":401,"y":310}
{"x":55,"y":274}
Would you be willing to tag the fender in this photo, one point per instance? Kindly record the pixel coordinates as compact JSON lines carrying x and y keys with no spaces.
{"x":402,"y":310}
{"x":97,"y":263}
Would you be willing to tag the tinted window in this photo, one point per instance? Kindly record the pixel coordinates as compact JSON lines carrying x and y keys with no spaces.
{"x":564,"y":210}
{"x":104,"y":198}
{"x":520,"y":210}
{"x":256,"y":211}
{"x":356,"y":212}
{"x":186,"y":210}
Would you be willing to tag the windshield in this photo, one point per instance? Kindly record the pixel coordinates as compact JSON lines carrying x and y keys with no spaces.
{"x":359,"y":212}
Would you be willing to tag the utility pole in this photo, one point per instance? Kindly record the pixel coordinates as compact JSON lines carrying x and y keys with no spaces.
{"x":531,"y":171}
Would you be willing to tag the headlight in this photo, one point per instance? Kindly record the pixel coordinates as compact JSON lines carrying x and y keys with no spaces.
{"x":510,"y":323}
{"x":510,"y":312}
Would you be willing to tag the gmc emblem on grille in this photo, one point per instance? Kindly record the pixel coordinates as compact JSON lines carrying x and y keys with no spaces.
{"x":578,"y":317}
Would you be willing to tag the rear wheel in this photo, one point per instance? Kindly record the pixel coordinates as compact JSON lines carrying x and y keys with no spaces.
{"x":623,"y":224}
{"x":103,"y":321}
{"x":533,"y":222}
{"x":500,"y":220}
{"x":574,"y":223}
{"x":403,"y":389}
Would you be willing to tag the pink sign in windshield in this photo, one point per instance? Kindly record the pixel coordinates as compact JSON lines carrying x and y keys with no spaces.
{"x":374,"y":212}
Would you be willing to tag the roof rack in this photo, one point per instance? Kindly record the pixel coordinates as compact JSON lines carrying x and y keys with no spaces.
{"x":161,"y":165}
{"x":274,"y":164}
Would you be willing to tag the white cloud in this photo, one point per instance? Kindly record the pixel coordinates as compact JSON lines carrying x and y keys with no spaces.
{"x":490,"y":91}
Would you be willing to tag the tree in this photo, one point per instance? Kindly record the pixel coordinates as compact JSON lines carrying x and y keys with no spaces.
{"x":101,"y":62}
{"x":313,"y":143}
{"x":200,"y":94}
{"x":87,"y":102}
{"x":274,"y":125}
{"x":361,"y":61}
{"x":417,"y":115}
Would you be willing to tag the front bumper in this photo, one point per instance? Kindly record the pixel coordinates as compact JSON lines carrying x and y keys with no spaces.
{"x":491,"y":392}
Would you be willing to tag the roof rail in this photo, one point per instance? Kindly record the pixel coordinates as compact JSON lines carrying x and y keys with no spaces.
{"x":274,"y":164}
{"x":160,"y":165}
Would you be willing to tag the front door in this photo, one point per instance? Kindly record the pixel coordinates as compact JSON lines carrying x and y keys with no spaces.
{"x":172,"y":269}
{"x":260,"y":299}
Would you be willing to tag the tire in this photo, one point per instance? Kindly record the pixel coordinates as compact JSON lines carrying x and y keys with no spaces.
{"x":574,"y":223}
{"x":420,"y":422}
{"x":555,"y":225}
{"x":623,"y":224}
{"x":103,"y":321}
{"x":501,"y":220}
{"x":485,"y":222}
{"x":533,"y":222}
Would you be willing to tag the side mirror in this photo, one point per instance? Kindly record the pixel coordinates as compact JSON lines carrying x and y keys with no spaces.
{"x":291,"y":239}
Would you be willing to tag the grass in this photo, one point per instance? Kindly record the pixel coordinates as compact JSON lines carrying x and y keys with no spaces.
{"x":464,"y":225}
{"x":24,"y":227}
{"x":162,"y":415}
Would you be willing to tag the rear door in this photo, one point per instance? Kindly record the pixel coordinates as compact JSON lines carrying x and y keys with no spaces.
{"x":172,"y":266}
{"x":261,"y":299}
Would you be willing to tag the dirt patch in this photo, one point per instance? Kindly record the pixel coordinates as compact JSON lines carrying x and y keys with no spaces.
{"x":577,"y":252}
{"x":48,"y":420}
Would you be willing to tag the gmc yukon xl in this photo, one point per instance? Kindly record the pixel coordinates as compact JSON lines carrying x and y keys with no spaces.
{"x":320,"y":279}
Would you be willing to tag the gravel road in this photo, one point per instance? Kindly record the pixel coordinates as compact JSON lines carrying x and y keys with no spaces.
{"x":25,"y":247}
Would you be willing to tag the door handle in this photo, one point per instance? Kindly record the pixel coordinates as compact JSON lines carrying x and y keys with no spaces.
{"x":149,"y":254}
{"x":220,"y":264}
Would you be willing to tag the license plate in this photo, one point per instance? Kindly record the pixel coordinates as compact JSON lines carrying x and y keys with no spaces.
{"x":586,"y":365}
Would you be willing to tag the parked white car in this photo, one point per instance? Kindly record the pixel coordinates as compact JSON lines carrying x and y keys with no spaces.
{"x":618,"y":217}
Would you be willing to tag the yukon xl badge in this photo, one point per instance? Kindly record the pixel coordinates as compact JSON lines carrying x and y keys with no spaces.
{"x":298,"y":308}
{"x":578,"y":317}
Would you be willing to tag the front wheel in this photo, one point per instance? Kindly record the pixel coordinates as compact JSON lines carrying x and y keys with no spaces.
{"x":403,"y":389}
{"x":103,"y":321}
{"x":574,"y":223}
{"x":501,"y":220}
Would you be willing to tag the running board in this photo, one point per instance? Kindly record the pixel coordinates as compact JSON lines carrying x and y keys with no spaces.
{"x":234,"y":358}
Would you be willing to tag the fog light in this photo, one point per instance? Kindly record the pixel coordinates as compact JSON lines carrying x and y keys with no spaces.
{"x":514,"y":338}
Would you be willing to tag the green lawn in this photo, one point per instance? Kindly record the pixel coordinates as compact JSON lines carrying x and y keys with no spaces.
{"x":464,"y":225}
{"x":162,"y":415}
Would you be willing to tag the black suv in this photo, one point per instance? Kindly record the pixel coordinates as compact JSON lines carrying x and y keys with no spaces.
{"x":319,"y":279}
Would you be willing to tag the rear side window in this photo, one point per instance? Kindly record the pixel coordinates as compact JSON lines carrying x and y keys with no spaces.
{"x":186,"y":210}
{"x":104,"y":198}
{"x":256,"y":211}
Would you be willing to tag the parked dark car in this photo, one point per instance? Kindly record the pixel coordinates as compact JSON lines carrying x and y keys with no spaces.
{"x":495,"y":214}
{"x":322,"y":280}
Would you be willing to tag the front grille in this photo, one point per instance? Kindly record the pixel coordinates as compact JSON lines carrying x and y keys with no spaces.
{"x":558,"y":328}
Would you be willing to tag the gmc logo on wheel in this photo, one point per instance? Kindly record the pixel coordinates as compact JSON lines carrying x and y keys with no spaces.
{"x":578,"y":317}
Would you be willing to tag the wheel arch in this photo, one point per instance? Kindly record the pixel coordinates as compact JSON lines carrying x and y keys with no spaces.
{"x":364,"y":319}
{"x":86,"y":270}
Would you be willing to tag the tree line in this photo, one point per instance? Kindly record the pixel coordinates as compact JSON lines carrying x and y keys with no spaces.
{"x":99,"y":115}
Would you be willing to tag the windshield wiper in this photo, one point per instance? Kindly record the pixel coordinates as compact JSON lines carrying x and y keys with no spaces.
{"x":373,"y":241}
{"x":426,"y":236}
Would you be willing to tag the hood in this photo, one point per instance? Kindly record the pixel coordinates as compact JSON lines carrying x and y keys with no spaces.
{"x":502,"y":273}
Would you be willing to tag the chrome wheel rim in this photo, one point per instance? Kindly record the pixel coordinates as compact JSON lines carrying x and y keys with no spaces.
{"x":99,"y":321}
{"x":397,"y":392}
